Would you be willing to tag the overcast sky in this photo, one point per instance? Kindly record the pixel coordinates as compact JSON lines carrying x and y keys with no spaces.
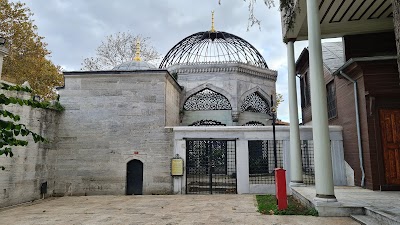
{"x":74,"y":28}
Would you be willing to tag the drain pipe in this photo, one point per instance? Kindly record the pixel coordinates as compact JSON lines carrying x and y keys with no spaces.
{"x":360,"y":151}
{"x":340,"y":71}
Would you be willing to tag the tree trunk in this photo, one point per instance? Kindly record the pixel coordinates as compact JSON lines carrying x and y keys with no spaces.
{"x":396,"y":22}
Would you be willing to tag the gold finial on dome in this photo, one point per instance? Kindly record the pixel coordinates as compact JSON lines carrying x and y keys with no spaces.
{"x":212,"y":22}
{"x":137,"y":55}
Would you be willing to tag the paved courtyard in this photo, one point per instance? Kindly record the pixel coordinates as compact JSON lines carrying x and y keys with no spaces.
{"x":167,"y":209}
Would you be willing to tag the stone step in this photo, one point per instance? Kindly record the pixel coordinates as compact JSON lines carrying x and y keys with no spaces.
{"x":366,"y":220}
{"x":214,"y":190}
{"x":384,"y":216}
{"x":214,"y":184}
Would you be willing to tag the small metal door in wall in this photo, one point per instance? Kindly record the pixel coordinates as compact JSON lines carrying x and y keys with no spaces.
{"x":210,"y":167}
{"x":134,"y":178}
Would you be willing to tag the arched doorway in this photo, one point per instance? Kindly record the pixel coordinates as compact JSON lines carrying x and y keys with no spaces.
{"x":134,"y":177}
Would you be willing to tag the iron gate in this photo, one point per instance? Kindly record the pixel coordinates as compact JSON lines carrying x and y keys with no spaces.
{"x":210,"y":167}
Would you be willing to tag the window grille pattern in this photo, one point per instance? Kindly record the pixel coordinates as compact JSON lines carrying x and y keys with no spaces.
{"x":262,"y":161}
{"x":207,"y":123}
{"x":253,"y":123}
{"x":255,"y":103}
{"x":307,"y":153}
{"x":207,"y":100}
{"x":331,"y":99}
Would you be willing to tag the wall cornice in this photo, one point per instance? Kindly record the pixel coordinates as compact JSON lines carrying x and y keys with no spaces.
{"x":224,"y":68}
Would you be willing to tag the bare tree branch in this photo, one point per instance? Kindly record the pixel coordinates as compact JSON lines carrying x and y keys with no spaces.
{"x":285,"y":6}
{"x":119,"y":48}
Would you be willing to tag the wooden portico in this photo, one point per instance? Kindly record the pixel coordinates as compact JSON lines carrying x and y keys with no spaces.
{"x":370,"y":61}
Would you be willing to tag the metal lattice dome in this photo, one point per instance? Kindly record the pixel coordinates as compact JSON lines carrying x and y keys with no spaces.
{"x":213,"y":47}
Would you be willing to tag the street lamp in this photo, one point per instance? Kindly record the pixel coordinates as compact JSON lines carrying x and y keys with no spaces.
{"x":3,"y":52}
{"x":2,"y":41}
{"x":36,"y":98}
{"x":273,"y":113}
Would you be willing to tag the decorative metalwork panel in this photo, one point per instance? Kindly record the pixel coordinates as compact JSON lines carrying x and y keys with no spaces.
{"x":207,"y":99}
{"x":210,"y":167}
{"x":255,"y":103}
{"x":207,"y":123}
{"x":253,"y":123}
{"x":213,"y":47}
{"x":307,"y":153}
{"x":262,"y":161}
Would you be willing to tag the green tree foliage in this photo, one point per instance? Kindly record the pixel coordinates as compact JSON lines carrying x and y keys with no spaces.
{"x":26,"y":60}
{"x":279,"y":99}
{"x":10,"y":130}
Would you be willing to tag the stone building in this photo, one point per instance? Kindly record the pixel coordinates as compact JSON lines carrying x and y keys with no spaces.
{"x":210,"y":104}
{"x":116,"y":122}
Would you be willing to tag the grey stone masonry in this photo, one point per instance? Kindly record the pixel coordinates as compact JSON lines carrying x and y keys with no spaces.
{"x":235,"y":81}
{"x":33,"y":164}
{"x":110,"y":119}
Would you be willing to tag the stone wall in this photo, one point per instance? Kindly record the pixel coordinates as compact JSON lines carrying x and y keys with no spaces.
{"x":31,"y":165}
{"x":110,"y":119}
{"x":223,"y":116}
{"x":172,"y":101}
{"x":235,"y":81}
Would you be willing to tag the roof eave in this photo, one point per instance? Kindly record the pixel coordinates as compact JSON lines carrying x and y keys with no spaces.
{"x":362,"y":59}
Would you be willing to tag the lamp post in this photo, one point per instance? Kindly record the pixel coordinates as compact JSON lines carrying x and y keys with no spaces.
{"x":3,"y":52}
{"x":2,"y":41}
{"x":36,"y":98}
{"x":273,"y":112}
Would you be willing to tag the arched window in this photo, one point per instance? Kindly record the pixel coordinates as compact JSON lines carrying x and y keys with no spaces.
{"x":207,"y":99}
{"x":207,"y":123}
{"x":253,"y":123}
{"x":255,"y":103}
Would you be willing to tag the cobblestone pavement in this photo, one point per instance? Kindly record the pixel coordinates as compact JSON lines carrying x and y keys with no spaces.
{"x":167,"y":209}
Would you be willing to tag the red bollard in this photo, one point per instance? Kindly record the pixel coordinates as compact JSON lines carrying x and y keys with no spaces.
{"x":280,"y":182}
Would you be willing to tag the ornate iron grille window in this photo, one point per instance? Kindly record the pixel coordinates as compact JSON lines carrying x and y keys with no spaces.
{"x":255,"y":103}
{"x":262,"y":161}
{"x":207,"y":99}
{"x":331,"y":99}
{"x":253,"y":123}
{"x":207,"y":123}
{"x":307,"y":153}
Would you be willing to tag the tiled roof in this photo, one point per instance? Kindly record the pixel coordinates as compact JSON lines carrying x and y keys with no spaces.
{"x":333,"y":55}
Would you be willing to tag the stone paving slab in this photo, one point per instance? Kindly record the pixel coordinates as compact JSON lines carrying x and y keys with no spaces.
{"x":383,"y":202}
{"x":161,"y":209}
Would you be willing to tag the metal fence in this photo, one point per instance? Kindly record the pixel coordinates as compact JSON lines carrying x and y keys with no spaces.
{"x":262,"y":160}
{"x":307,"y":153}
